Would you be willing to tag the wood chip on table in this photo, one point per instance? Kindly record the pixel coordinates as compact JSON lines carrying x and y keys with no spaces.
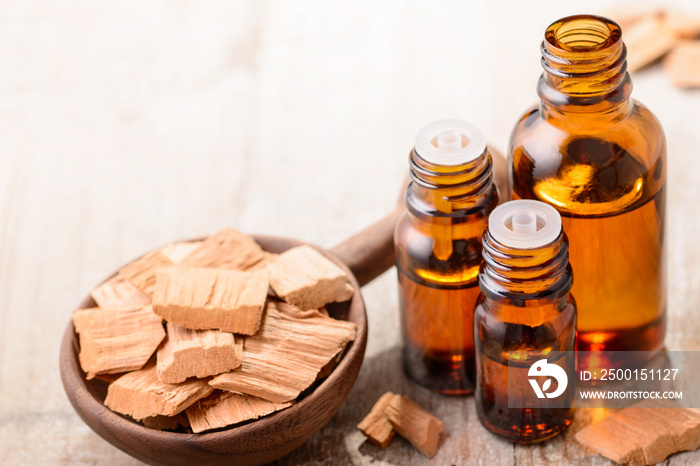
{"x":223,"y":409}
{"x":627,"y":15}
{"x":197,"y":353}
{"x":685,"y":25}
{"x":285,"y":357}
{"x":644,"y":433}
{"x":116,"y":342}
{"x":118,"y":294}
{"x":140,"y":394}
{"x":376,"y":425}
{"x":227,"y":249}
{"x":176,"y":252}
{"x":415,"y":424}
{"x":142,"y":272}
{"x":306,"y":278}
{"x":647,"y":40}
{"x":201,"y":298}
{"x":683,"y":64}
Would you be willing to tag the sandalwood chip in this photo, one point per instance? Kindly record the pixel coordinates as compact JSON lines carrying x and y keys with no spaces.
{"x":626,"y":17}
{"x":109,"y":378}
{"x":285,"y":357}
{"x":686,"y":26}
{"x":227,"y":249}
{"x":296,"y":312}
{"x":118,"y":294}
{"x":268,"y":258}
{"x":330,"y":367}
{"x":141,"y":394}
{"x":292,"y":311}
{"x":115,"y":342}
{"x":375,"y":425}
{"x":645,"y":433}
{"x":648,"y":40}
{"x":223,"y":409}
{"x":166,"y":422}
{"x":304,"y":277}
{"x":198,"y":298}
{"x":683,"y":64}
{"x":176,"y":252}
{"x":142,"y":272}
{"x":197,"y":353}
{"x":415,"y":424}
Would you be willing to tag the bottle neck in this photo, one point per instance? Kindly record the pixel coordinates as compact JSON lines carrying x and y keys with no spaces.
{"x":449,"y":193}
{"x":525,"y":274}
{"x":585,"y":68}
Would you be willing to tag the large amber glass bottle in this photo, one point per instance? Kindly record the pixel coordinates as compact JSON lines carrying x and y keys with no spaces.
{"x":599,"y":158}
{"x":525,"y":322}
{"x":438,"y":253}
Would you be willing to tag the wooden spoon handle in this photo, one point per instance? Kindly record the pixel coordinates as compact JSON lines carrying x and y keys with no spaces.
{"x":370,"y":252}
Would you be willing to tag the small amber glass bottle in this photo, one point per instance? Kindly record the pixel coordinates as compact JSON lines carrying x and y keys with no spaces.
{"x":524,"y":314}
{"x":599,"y":158}
{"x":438,"y":253}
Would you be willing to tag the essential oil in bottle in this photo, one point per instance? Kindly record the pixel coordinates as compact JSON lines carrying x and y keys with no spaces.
{"x":438,"y":253}
{"x":599,"y":158}
{"x":525,"y":314}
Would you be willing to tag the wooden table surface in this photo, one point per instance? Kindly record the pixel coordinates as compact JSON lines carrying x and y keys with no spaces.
{"x":126,"y":125}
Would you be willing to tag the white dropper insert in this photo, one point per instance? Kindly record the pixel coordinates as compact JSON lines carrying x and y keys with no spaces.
{"x":450,"y":142}
{"x":525,"y":224}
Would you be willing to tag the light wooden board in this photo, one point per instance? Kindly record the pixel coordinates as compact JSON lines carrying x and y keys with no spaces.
{"x":127,"y":125}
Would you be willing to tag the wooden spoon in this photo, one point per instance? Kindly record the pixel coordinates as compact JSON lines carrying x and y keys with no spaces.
{"x":364,"y":256}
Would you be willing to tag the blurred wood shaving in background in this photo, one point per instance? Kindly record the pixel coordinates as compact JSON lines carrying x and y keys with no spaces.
{"x":651,"y":33}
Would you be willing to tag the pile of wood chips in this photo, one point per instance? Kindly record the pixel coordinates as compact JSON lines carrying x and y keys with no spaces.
{"x":654,"y":33}
{"x":208,"y":334}
{"x":398,"y":413}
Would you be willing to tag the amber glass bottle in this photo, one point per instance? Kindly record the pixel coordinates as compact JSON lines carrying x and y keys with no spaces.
{"x":599,"y":158}
{"x":438,"y":253}
{"x":524,"y":314}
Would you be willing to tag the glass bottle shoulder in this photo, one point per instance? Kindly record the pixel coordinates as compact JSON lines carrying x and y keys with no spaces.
{"x":444,"y":254}
{"x":588,"y":164}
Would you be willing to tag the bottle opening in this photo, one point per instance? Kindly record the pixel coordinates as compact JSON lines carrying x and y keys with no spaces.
{"x":585,"y":65}
{"x":525,"y":224}
{"x":584,"y":33}
{"x":450,"y":142}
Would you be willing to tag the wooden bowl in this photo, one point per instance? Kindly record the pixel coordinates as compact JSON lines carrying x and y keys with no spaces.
{"x":256,"y":442}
